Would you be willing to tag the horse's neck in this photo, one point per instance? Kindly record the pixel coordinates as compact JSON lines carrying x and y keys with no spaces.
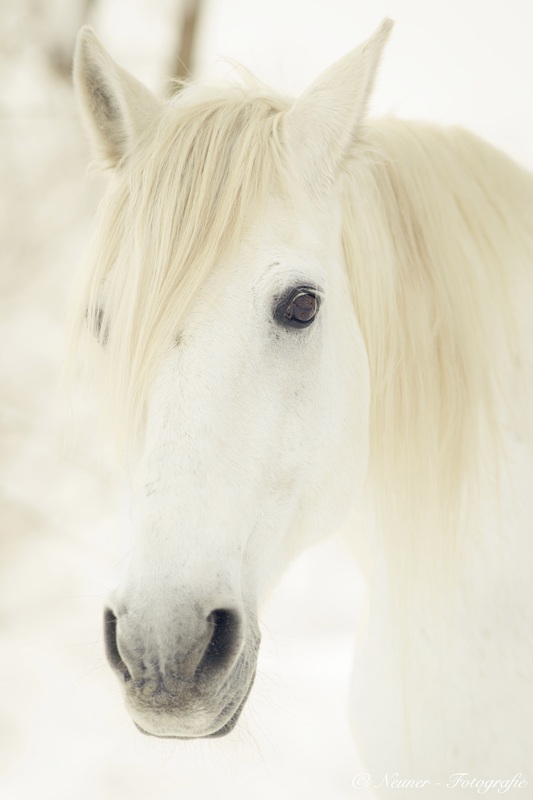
{"x":437,"y":694}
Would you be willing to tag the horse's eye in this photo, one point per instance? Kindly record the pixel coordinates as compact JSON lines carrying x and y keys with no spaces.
{"x":298,"y":309}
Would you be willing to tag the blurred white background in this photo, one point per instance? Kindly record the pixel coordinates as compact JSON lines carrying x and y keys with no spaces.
{"x":63,"y":731}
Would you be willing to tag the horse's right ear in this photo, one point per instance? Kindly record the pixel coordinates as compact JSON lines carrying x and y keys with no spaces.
{"x":324,"y":124}
{"x":114,"y":106}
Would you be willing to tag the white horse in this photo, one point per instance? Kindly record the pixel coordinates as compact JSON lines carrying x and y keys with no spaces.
{"x":300,"y":320}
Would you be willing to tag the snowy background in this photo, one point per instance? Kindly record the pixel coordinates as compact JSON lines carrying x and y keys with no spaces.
{"x":63,"y":732}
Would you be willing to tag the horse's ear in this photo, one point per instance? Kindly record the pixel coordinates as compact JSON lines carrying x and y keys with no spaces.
{"x":323,"y":124}
{"x":114,"y":106}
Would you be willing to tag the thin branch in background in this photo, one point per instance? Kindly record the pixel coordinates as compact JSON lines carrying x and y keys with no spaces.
{"x":182,"y":67}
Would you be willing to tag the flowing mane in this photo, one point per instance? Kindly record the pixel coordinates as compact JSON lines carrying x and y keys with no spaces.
{"x":437,"y":230}
{"x":176,"y":206}
{"x":435,"y":278}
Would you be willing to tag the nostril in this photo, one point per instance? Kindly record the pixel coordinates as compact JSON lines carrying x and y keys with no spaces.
{"x":225,"y":639}
{"x":111,"y":646}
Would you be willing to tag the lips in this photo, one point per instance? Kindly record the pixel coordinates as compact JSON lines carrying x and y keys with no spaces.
{"x":230,"y":724}
{"x":223,"y":730}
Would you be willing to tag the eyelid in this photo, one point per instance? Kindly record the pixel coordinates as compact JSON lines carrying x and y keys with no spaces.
{"x":316,"y":291}
{"x":301,"y":290}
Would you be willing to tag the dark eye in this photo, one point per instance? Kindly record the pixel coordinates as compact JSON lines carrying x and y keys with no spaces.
{"x":298,"y":309}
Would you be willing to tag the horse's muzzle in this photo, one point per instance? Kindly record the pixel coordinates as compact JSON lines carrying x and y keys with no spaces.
{"x":184,"y":681}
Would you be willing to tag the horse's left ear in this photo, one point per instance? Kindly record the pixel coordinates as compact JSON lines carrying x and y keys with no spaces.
{"x":323,"y":123}
{"x":115,"y":107}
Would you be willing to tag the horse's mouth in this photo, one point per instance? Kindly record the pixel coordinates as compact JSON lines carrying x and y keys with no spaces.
{"x":226,"y":728}
{"x":232,"y":721}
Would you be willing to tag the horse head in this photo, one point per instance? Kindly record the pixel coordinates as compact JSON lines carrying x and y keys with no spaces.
{"x":224,"y":323}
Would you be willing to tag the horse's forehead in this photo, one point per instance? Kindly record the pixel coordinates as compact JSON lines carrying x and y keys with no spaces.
{"x":289,"y":228}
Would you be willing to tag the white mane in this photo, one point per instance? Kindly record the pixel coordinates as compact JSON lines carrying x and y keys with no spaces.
{"x":438,"y":236}
{"x":176,"y":206}
{"x":437,"y":226}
